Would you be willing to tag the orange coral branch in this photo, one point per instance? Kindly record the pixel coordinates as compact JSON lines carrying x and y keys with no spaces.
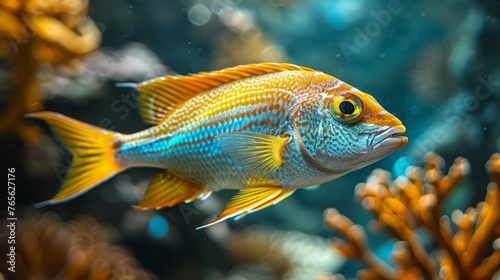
{"x":394,"y":213}
{"x":488,"y":268}
{"x":10,"y":25}
{"x":416,"y":201}
{"x":55,"y":32}
{"x":11,"y":5}
{"x":357,"y":246}
{"x":487,"y":221}
{"x":34,"y":32}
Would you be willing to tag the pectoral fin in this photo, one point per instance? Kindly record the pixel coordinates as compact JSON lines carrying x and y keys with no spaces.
{"x":166,"y":190}
{"x":257,"y":153}
{"x":250,"y":200}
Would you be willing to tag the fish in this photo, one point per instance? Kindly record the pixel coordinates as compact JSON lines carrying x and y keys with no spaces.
{"x":264,"y":129}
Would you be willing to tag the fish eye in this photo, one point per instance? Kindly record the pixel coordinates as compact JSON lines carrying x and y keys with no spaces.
{"x":346,"y":108}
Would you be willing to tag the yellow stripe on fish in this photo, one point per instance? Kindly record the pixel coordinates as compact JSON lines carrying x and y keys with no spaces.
{"x":266,"y":129}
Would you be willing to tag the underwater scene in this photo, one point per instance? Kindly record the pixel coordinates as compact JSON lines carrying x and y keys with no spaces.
{"x":250,"y":139}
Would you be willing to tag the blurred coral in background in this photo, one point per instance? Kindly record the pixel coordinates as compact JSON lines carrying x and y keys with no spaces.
{"x":48,"y":248}
{"x":262,"y":253}
{"x":466,"y":249}
{"x":35,"y":32}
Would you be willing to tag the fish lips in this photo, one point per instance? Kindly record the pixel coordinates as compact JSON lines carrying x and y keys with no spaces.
{"x":389,"y":138}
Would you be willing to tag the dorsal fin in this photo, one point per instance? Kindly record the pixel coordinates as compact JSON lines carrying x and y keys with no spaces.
{"x":161,"y":96}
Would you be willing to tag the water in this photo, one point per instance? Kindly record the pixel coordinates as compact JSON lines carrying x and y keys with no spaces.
{"x":435,"y":65}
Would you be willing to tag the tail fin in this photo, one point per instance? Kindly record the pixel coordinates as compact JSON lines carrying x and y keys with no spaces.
{"x":92,"y":149}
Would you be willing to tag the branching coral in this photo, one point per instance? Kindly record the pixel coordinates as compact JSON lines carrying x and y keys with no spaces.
{"x":47,"y":248}
{"x":40,"y":31}
{"x":416,"y":201}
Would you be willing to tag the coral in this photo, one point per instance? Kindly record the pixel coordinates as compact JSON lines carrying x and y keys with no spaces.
{"x":34,"y":32}
{"x":263,"y":253}
{"x":47,"y":248}
{"x":416,"y":201}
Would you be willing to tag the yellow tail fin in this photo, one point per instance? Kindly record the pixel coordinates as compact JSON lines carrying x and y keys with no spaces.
{"x":92,"y":150}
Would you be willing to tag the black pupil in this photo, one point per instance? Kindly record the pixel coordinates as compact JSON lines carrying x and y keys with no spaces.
{"x":346,"y":107}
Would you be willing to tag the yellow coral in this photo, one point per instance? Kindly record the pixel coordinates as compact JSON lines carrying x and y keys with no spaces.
{"x":40,"y":31}
{"x":414,"y":201}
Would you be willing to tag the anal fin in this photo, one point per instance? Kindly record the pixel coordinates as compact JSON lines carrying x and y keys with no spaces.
{"x":250,"y":200}
{"x":166,"y":189}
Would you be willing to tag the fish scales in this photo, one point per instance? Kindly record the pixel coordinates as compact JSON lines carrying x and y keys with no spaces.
{"x":254,"y":104}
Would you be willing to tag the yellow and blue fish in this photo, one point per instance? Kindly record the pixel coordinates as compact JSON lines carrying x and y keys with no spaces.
{"x":266,"y":129}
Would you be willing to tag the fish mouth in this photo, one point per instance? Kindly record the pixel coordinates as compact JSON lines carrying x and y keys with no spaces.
{"x":390,"y":138}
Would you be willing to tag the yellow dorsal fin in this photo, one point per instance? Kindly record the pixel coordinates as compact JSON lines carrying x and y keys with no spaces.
{"x":159,"y":97}
{"x":257,"y":153}
{"x":166,"y":190}
{"x":250,"y":200}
